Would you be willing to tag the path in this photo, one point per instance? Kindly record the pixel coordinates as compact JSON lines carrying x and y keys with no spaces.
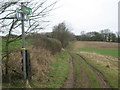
{"x":69,"y":83}
{"x":99,"y":75}
{"x":84,"y":81}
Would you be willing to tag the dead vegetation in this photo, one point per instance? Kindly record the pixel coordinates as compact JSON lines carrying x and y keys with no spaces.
{"x":81,"y":44}
{"x":105,"y":61}
{"x":40,"y":61}
{"x":103,"y":44}
{"x":42,"y":50}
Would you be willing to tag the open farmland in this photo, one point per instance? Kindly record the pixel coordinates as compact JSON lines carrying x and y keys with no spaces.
{"x":104,"y":48}
{"x":48,"y":44}
{"x":80,"y":65}
{"x":102,"y":56}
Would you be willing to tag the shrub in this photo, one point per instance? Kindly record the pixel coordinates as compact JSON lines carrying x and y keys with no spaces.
{"x":50,"y":44}
{"x":62,"y":33}
{"x":40,"y":59}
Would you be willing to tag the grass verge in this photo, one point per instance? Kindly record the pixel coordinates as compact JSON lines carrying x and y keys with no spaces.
{"x":58,"y":73}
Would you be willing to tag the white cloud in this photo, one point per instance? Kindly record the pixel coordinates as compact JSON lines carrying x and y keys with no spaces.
{"x":88,"y":14}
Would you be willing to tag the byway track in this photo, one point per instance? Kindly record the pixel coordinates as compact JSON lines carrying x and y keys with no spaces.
{"x":70,"y":82}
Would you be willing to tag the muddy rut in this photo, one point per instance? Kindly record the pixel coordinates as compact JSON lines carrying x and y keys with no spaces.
{"x":70,"y":81}
{"x":84,"y":78}
{"x":99,"y":75}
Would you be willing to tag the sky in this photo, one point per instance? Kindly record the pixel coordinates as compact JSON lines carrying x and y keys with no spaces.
{"x":86,"y":15}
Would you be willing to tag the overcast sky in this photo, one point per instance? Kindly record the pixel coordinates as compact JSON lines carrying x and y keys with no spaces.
{"x":86,"y":15}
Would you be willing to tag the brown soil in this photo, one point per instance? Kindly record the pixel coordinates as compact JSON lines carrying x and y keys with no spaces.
{"x":84,"y":81}
{"x":84,"y":78}
{"x":69,"y":83}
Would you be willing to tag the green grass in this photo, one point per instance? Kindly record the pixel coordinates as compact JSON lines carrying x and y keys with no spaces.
{"x":16,"y":44}
{"x":58,"y":73}
{"x":0,"y":43}
{"x":110,"y":75}
{"x":77,"y":74}
{"x":15,"y":84}
{"x":93,"y":81}
{"x":103,"y":51}
{"x":58,"y":70}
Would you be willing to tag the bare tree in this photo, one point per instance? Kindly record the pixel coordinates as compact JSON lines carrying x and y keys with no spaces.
{"x":62,"y":33}
{"x":9,"y":24}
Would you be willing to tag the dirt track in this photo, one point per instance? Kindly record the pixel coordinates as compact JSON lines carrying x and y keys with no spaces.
{"x":70,"y":82}
{"x":99,"y":75}
{"x":84,"y":77}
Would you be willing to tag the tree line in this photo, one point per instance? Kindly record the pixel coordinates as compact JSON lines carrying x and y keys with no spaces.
{"x":59,"y":32}
{"x":104,"y":35}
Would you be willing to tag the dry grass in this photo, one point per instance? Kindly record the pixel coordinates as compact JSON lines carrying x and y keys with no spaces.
{"x":15,"y":62}
{"x":106,"y":64}
{"x":40,"y":61}
{"x":92,"y":52}
{"x":82,"y":44}
{"x":79,"y":44}
{"x":106,"y":61}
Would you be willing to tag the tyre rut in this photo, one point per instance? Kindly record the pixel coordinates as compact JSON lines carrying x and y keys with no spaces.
{"x":99,"y":75}
{"x":84,"y":81}
{"x":69,"y":83}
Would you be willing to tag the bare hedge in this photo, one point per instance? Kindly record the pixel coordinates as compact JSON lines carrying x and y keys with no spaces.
{"x":50,"y":44}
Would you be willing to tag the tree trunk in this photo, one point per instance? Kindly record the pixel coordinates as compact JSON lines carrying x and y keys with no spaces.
{"x":7,"y":58}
